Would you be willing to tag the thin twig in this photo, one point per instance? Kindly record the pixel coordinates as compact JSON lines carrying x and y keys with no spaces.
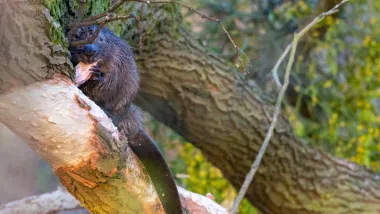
{"x":204,"y":16}
{"x":101,"y":15}
{"x":306,"y":29}
{"x":139,"y":38}
{"x":109,"y":18}
{"x":95,"y":20}
{"x":249,"y":177}
{"x":90,"y":39}
{"x":101,"y":23}
{"x":278,"y":63}
{"x":74,"y":30}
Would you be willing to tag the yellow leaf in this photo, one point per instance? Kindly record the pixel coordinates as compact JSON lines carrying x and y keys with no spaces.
{"x":327,"y":84}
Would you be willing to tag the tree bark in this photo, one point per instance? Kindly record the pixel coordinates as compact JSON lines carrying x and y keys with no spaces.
{"x":59,"y":200}
{"x":227,"y":116}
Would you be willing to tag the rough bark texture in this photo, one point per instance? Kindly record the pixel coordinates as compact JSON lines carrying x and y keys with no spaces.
{"x":227,"y":116}
{"x":26,"y":53}
{"x":59,"y":200}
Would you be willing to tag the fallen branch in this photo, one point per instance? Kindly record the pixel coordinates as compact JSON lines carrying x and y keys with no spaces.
{"x":61,"y":200}
{"x":57,"y":201}
{"x":249,"y":177}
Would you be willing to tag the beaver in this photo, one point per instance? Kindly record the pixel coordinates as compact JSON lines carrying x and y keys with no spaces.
{"x":108,"y":75}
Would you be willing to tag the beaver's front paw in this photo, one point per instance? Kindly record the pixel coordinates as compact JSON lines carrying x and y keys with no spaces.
{"x":96,"y":73}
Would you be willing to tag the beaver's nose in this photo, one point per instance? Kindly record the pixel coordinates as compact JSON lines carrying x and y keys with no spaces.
{"x":89,"y":50}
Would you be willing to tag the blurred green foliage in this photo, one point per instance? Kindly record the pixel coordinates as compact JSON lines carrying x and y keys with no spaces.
{"x":343,"y":76}
{"x":205,"y":178}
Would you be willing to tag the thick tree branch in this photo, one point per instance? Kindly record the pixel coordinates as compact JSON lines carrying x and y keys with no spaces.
{"x":59,"y":200}
{"x":227,"y":116}
{"x":85,"y":149}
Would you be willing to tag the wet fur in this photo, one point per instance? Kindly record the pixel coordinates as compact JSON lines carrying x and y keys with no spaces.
{"x":114,"y":92}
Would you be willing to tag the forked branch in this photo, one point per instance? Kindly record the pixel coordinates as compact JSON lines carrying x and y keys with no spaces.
{"x":108,"y":18}
{"x":101,"y":21}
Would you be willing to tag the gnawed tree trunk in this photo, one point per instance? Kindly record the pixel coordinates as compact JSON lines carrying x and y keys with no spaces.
{"x":85,"y":149}
{"x":67,"y":129}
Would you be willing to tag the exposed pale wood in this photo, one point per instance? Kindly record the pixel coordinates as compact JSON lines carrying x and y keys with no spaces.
{"x":59,"y":200}
{"x":85,"y":149}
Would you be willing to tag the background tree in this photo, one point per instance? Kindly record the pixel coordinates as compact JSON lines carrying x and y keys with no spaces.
{"x":327,"y":78}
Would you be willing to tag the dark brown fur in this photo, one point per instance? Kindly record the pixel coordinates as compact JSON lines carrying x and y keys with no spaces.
{"x":114,"y":91}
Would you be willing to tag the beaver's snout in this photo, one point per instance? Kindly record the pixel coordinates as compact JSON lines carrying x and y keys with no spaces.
{"x":82,"y":53}
{"x":89,"y":50}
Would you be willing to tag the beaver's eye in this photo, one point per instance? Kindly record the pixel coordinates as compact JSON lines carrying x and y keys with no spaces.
{"x":89,"y":50}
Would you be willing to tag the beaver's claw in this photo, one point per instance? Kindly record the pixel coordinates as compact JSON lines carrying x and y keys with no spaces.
{"x":96,"y":73}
